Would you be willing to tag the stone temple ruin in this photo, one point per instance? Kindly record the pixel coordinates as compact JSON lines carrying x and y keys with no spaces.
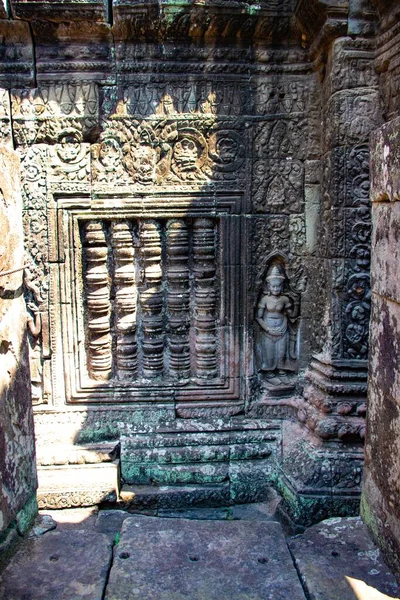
{"x":195,"y":183}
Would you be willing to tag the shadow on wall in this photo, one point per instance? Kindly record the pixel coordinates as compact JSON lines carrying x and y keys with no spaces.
{"x":17,"y":452}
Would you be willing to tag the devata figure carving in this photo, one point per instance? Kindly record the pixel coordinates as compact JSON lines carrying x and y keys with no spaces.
{"x":276,"y":336}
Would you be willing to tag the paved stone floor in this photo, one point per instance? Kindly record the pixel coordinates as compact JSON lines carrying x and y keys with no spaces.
{"x":238,"y":553}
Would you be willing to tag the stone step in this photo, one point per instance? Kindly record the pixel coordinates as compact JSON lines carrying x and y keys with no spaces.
{"x":248,"y":479}
{"x":154,"y":497}
{"x":175,"y":474}
{"x":196,"y":559}
{"x":170,"y":439}
{"x":191,"y":454}
{"x":62,"y":486}
{"x":184,"y":486}
{"x":68,"y":454}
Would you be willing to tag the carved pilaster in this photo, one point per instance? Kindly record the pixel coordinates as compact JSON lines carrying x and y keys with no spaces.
{"x":204,"y":270}
{"x":178,"y":301}
{"x":97,"y":287}
{"x":336,"y":379}
{"x":151,"y":300}
{"x":125,"y":299}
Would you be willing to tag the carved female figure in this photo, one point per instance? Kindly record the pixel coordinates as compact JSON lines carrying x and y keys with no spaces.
{"x":276,"y":344}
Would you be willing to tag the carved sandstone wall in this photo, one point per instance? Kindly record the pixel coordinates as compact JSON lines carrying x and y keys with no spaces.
{"x":380,"y":506}
{"x":17,"y":453}
{"x":175,"y":170}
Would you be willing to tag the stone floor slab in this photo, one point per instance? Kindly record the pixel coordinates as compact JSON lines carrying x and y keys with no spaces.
{"x":176,"y":559}
{"x":60,"y":565}
{"x":330,"y":553}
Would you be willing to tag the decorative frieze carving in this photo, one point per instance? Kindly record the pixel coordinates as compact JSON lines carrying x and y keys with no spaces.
{"x":171,"y":98}
{"x":51,"y":113}
{"x":168,"y":152}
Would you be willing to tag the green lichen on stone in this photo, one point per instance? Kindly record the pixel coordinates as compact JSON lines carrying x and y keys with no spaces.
{"x":27,"y":515}
{"x":368,"y":517}
{"x":253,"y":9}
{"x":101,"y":434}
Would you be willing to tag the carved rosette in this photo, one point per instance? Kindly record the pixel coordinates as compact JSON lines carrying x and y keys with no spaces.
{"x":178,"y":302}
{"x":204,"y":270}
{"x":125,"y":299}
{"x":151,"y":300}
{"x":97,"y":284}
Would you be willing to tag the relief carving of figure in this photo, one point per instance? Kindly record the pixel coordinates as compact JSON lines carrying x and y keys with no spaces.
{"x":276,"y":335}
{"x":34,"y":324}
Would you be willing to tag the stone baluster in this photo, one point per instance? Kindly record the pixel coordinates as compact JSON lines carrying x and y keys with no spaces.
{"x":151,"y":300}
{"x":125,"y":299}
{"x":97,"y":287}
{"x":178,"y":301}
{"x":204,"y":254}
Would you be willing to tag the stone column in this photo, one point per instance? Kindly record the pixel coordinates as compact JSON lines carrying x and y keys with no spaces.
{"x":336,"y":379}
{"x":323,"y":457}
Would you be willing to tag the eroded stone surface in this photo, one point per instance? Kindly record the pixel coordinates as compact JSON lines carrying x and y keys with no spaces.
{"x":17,"y":453}
{"x":171,"y":558}
{"x":380,"y":508}
{"x":72,"y":565}
{"x":337,"y":548}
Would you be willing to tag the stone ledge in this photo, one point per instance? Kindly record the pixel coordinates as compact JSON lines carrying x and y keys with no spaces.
{"x":77,"y":485}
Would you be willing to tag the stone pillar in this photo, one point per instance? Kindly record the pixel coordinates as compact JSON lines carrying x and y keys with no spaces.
{"x":17,"y":450}
{"x":323,"y":460}
{"x":336,"y":379}
{"x":381,"y":485}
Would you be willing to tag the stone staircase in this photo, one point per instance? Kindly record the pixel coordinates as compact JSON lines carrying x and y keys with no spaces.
{"x":200,"y":463}
{"x":77,"y":475}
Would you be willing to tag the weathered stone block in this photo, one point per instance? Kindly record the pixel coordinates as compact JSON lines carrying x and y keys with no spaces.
{"x":385,"y":160}
{"x":350,"y":65}
{"x":382,"y":458}
{"x":173,"y":497}
{"x":143,"y":474}
{"x":330,"y":553}
{"x":91,"y":10}
{"x":67,"y":564}
{"x":384,"y":370}
{"x":386,"y":251}
{"x":350,"y":116}
{"x":17,"y":57}
{"x":250,"y":480}
{"x":248,"y":560}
